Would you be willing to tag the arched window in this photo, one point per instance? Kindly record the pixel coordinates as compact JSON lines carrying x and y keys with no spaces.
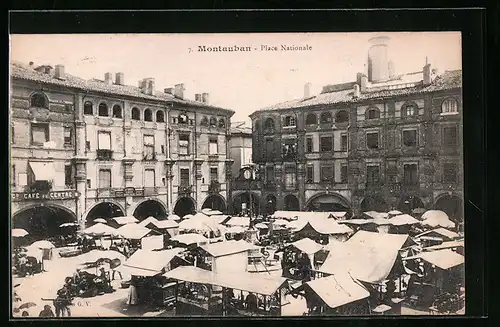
{"x":311,"y":119}
{"x":103,"y":110}
{"x":213,"y":121}
{"x":39,"y":100}
{"x":88,"y":108}
{"x":289,"y":121}
{"x":449,"y":105}
{"x":342,"y":117}
{"x":326,"y":117}
{"x":409,"y":110}
{"x":136,"y":114}
{"x":372,"y":113}
{"x":222,"y":123}
{"x":160,"y":116}
{"x":204,"y":121}
{"x":148,"y":115}
{"x":269,"y":125}
{"x":117,"y":111}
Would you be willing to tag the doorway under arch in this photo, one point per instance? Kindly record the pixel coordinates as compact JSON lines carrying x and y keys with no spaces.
{"x":328,"y":202}
{"x":150,"y":208}
{"x":42,"y":222}
{"x":408,"y":203}
{"x":270,"y":204}
{"x":374,"y":203}
{"x":241,"y":204}
{"x":452,"y":205}
{"x":214,"y":202}
{"x":184,"y":206}
{"x":104,"y":210}
{"x":291,"y":203}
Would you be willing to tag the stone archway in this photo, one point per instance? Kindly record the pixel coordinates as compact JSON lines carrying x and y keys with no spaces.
{"x":241,"y":203}
{"x":184,"y":206}
{"x":270,"y":204}
{"x":374,"y":203}
{"x":328,"y":202}
{"x":291,"y":203}
{"x":42,"y":221}
{"x":409,"y":202}
{"x":150,"y":208}
{"x":105,"y":210}
{"x":452,"y":205}
{"x":214,"y":202}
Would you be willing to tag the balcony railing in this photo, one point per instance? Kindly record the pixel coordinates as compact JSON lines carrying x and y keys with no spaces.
{"x":148,"y":191}
{"x":149,"y":157}
{"x":214,"y":187}
{"x":185,"y":190}
{"x":213,"y":157}
{"x":104,"y":154}
{"x":243,"y":185}
{"x":270,"y":186}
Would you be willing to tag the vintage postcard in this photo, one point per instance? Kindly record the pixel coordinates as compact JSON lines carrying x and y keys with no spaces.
{"x":239,"y":175}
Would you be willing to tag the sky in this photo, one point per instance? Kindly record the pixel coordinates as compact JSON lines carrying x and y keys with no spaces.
{"x":240,"y":81}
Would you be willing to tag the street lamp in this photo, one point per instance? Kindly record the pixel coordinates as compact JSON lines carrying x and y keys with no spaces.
{"x":249,"y":175}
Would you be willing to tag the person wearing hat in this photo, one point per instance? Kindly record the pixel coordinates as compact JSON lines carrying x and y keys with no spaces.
{"x":104,"y":276}
{"x":46,"y":312}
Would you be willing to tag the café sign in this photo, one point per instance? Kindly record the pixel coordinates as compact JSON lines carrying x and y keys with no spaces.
{"x":54,"y":195}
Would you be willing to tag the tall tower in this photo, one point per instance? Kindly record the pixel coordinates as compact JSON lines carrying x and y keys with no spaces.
{"x":378,"y":62}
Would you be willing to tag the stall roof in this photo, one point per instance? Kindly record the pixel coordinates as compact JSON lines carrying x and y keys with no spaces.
{"x":150,"y":263}
{"x":444,"y":259}
{"x":307,"y":245}
{"x":437,"y":218}
{"x":99,"y":228}
{"x":356,"y":221}
{"x":439,"y":232}
{"x":337,"y":290}
{"x":220,"y":219}
{"x":302,"y":215}
{"x":205,"y":225}
{"x":221,"y":249}
{"x":190,"y":238}
{"x":133,"y":231}
{"x":445,"y":245}
{"x":165,"y":224}
{"x":147,"y":221}
{"x":265,"y":285}
{"x":326,"y":227}
{"x":125,"y":220}
{"x":367,"y":256}
{"x":404,"y":219}
{"x":239,"y":221}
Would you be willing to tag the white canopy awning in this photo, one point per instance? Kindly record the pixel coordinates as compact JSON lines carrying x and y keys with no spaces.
{"x":43,"y":171}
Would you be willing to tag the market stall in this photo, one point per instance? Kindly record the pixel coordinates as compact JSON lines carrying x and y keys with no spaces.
{"x":229,"y":256}
{"x":435,"y":237}
{"x":298,"y":258}
{"x":244,"y":295}
{"x":321,"y":230}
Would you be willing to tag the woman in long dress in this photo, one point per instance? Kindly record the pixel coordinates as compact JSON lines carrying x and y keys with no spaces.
{"x":132,"y":293}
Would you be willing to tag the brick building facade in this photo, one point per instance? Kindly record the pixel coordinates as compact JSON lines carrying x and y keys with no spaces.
{"x":83,"y":149}
{"x":384,"y":141}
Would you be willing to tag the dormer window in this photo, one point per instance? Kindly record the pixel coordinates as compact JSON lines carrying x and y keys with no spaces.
{"x":449,"y":106}
{"x":326,"y":117}
{"x":213,"y":122}
{"x":222,"y":123}
{"x":148,"y":115}
{"x":204,"y":121}
{"x":289,"y":121}
{"x":39,"y":100}
{"x":103,"y":110}
{"x":136,"y":114}
{"x":117,"y":111}
{"x":372,"y":113}
{"x":342,"y":117}
{"x":311,"y":119}
{"x":183,"y":119}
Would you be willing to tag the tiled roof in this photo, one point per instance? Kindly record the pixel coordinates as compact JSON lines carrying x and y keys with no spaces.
{"x":240,"y":128}
{"x":447,"y":81}
{"x":24,"y":72}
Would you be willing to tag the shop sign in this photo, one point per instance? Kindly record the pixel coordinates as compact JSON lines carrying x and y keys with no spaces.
{"x":53,"y":195}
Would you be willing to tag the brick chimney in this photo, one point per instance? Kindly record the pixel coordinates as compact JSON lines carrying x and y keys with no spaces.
{"x":197,"y":97}
{"x":378,"y":67}
{"x":119,"y":79}
{"x":179,"y":91}
{"x":60,"y":72}
{"x":363,"y":83}
{"x":427,"y":73}
{"x":108,"y":78}
{"x":356,"y":92}
{"x":307,"y":90}
{"x":205,"y":97}
{"x":148,"y":86}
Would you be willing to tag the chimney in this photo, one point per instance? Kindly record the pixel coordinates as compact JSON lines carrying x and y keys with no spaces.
{"x":108,"y":78}
{"x":307,"y":90}
{"x":362,"y":85}
{"x":356,"y":91}
{"x":119,"y":79}
{"x":427,"y":73}
{"x":60,"y":72}
{"x":358,"y":78}
{"x":151,"y":86}
{"x":391,"y":68}
{"x":197,"y":97}
{"x":204,"y":97}
{"x":179,"y":91}
{"x":169,"y":90}
{"x":378,"y":66}
{"x":31,"y":64}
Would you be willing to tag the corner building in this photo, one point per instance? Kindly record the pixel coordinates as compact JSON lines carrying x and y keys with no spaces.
{"x":87,"y":149}
{"x":384,"y":141}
